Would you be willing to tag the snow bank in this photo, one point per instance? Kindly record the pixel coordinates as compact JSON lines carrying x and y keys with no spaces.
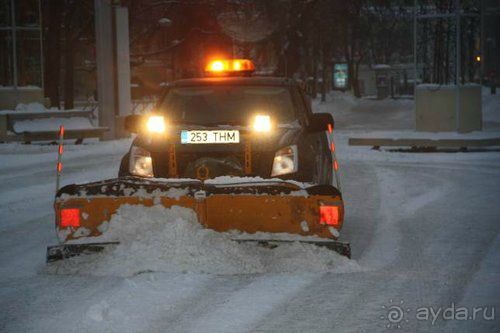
{"x":435,"y":86}
{"x":46,"y":124}
{"x":31,"y":107}
{"x":52,"y":124}
{"x":171,"y":240}
{"x":341,"y":100}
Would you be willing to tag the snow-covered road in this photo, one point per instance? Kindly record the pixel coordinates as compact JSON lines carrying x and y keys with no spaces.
{"x":424,"y":229}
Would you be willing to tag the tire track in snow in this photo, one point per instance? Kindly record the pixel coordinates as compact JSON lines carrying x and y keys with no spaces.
{"x":136,"y":304}
{"x":337,"y":303}
{"x":395,"y":206}
{"x":243,"y":309}
{"x":483,"y":288}
{"x":48,"y":168}
{"x":46,"y":173}
{"x":26,"y":209}
{"x":361,"y":206}
{"x":34,"y":195}
{"x":25,"y":256}
{"x":487,"y":169}
{"x":216,"y":291}
{"x":22,"y":158}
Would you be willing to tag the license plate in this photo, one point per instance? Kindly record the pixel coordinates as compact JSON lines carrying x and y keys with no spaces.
{"x":218,"y":136}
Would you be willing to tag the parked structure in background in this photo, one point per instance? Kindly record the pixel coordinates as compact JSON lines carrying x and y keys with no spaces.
{"x":446,"y":44}
{"x":21,"y":56}
{"x":386,"y":81}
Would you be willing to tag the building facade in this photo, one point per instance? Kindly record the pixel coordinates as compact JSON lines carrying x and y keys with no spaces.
{"x":21,"y":58}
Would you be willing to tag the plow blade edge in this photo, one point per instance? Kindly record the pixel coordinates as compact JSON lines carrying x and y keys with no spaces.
{"x":267,"y":206}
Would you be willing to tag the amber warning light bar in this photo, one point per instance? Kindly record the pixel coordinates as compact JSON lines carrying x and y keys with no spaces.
{"x":225,"y":67}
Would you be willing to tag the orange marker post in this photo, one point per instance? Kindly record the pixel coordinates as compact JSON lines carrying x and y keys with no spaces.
{"x":59,"y":156}
{"x":335,"y":163}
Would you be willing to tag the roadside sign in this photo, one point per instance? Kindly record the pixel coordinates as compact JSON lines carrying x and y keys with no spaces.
{"x":340,"y":76}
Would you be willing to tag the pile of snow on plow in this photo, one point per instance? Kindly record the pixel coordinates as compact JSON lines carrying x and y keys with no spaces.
{"x":159,"y":239}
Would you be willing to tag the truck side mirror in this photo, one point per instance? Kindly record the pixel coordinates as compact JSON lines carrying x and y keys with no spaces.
{"x":320,"y":122}
{"x":133,"y":123}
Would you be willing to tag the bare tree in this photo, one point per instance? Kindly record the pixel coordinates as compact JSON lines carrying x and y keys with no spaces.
{"x":53,"y":15}
{"x":74,"y":18}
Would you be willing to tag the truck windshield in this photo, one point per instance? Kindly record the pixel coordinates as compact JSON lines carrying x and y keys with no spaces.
{"x":228,"y":104}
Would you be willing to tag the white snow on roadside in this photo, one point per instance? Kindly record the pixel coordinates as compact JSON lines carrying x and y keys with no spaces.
{"x":31,"y":107}
{"x":171,"y":240}
{"x":52,"y":124}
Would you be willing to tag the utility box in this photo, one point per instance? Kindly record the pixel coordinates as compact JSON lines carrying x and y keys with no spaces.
{"x":435,"y":108}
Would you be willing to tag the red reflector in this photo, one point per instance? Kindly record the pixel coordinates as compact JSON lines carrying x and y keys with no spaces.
{"x":70,"y":217}
{"x":330,"y":128}
{"x":329,"y":215}
{"x":59,"y":166}
{"x":60,"y":150}
{"x":332,"y":148}
{"x":61,"y":130}
{"x":335,"y":165}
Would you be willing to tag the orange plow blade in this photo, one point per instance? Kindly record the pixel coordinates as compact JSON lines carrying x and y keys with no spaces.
{"x":269,"y":207}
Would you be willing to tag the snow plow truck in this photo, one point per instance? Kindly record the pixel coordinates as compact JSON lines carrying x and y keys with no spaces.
{"x":245,"y":152}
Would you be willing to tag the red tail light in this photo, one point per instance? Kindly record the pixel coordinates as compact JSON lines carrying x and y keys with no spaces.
{"x":329,"y":215}
{"x":70,"y":217}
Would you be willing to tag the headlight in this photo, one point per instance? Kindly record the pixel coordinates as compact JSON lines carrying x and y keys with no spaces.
{"x":140,"y":163}
{"x":156,"y":124}
{"x":262,"y":123}
{"x":285,"y":161}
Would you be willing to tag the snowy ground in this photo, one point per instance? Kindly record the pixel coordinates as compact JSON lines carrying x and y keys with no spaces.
{"x":424,"y":230}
